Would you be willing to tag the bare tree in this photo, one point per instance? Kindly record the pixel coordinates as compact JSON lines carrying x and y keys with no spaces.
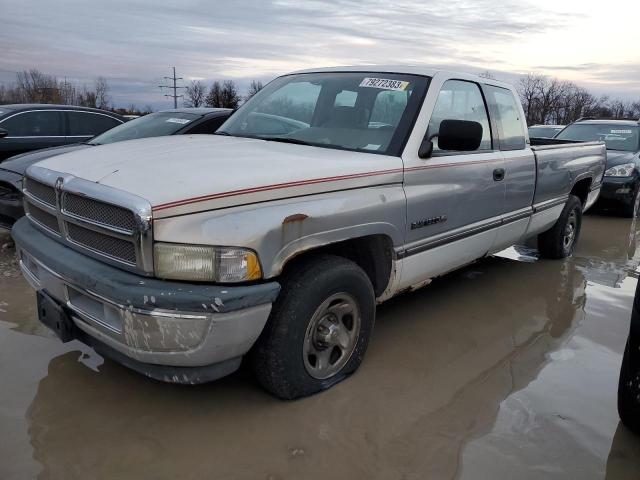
{"x":230,"y":96}
{"x":194,"y":94}
{"x":35,"y":86}
{"x":87,"y":98}
{"x":254,"y":87}
{"x":214,"y":97}
{"x":102,"y":93}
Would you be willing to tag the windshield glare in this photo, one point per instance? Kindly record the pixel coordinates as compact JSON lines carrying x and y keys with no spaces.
{"x":152,"y":125}
{"x":369,"y":112}
{"x":616,"y":137}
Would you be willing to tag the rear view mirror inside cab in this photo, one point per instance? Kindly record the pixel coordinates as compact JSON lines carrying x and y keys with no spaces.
{"x":454,"y":135}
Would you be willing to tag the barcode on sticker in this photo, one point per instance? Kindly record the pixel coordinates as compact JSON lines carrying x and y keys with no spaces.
{"x":384,"y":84}
{"x":181,"y":121}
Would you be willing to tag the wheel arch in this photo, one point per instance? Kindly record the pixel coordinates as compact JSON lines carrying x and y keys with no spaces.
{"x":373,"y":253}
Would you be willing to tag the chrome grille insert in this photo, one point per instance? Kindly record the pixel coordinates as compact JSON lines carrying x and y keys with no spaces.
{"x":117,"y":248}
{"x":44,"y":193}
{"x":44,"y":218}
{"x":99,"y":212}
{"x":102,"y":222}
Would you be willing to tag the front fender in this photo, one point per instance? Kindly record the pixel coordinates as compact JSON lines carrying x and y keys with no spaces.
{"x":282,"y":229}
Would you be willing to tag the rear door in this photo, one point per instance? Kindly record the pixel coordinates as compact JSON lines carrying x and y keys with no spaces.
{"x":82,"y":126}
{"x":32,"y":130}
{"x":454,"y":199}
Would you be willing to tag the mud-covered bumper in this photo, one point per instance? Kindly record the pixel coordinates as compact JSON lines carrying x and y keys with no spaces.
{"x":172,"y":331}
{"x":618,"y":190}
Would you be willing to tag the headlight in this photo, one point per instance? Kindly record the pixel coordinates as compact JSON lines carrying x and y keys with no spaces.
{"x":205,"y":264}
{"x":624,"y":170}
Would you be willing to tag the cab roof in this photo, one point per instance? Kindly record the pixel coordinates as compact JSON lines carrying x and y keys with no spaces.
{"x":423,"y":70}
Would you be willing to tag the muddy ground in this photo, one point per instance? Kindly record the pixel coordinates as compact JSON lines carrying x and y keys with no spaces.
{"x":505,"y":369}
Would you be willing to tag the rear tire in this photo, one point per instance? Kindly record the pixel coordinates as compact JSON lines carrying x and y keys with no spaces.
{"x":318,"y":330}
{"x":560,"y":240}
{"x":628,"y":401}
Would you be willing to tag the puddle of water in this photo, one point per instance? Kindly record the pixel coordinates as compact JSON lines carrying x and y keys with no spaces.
{"x":506,"y":369}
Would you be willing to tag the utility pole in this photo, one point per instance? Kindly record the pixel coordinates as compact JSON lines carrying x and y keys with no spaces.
{"x":175,"y":88}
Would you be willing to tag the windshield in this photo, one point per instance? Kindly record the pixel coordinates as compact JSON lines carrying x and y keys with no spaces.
{"x":368,"y":112}
{"x":152,"y":125}
{"x":616,"y":137}
{"x":543,"y":132}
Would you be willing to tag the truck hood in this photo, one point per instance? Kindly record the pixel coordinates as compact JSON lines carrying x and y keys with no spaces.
{"x":189,"y":173}
{"x":20,"y":163}
{"x":618,"y":158}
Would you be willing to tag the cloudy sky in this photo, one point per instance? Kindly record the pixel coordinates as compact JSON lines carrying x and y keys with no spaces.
{"x":133,"y":42}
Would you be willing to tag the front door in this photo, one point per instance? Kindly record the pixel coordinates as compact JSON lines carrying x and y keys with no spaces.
{"x":454,"y":199}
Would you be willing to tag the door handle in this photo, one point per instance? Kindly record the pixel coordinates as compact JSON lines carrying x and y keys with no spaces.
{"x":498,"y":174}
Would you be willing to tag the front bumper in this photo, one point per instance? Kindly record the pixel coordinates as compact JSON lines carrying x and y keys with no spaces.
{"x":11,"y":207}
{"x":172,"y":331}
{"x":618,"y":190}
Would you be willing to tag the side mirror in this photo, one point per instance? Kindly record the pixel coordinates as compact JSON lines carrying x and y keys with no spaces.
{"x":3,"y":133}
{"x":454,"y":135}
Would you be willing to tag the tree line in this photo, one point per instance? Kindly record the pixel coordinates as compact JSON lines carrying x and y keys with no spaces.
{"x":220,"y":95}
{"x":33,"y":86}
{"x":548,"y":100}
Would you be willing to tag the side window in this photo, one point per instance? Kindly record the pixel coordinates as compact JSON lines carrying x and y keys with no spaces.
{"x":87,"y":124}
{"x":508,"y":119}
{"x":34,"y":124}
{"x":208,"y":126}
{"x":460,"y":100}
{"x":388,"y":108}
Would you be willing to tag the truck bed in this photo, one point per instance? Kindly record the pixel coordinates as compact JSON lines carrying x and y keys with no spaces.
{"x":561,"y":163}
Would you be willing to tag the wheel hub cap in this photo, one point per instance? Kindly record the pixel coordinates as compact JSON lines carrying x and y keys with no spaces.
{"x":331,"y":336}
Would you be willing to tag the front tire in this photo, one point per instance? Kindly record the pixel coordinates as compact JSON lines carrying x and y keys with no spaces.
{"x":318,"y":330}
{"x":560,"y":240}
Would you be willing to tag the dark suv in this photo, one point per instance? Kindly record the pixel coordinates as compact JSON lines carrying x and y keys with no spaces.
{"x":28,"y":127}
{"x":621,"y":184}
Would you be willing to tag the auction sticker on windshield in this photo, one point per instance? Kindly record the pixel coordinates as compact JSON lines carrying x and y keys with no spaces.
{"x":384,"y":84}
{"x":181,"y":121}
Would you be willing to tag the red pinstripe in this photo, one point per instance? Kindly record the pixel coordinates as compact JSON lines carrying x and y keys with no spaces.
{"x":312,"y":181}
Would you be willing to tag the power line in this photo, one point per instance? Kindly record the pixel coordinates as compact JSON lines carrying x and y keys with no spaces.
{"x":175,"y":88}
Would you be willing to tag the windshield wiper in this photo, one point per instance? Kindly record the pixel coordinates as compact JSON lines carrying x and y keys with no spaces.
{"x":226,"y":134}
{"x":286,"y":140}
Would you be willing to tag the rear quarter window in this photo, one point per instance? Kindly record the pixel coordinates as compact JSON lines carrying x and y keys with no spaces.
{"x":87,"y":124}
{"x":508,"y":118}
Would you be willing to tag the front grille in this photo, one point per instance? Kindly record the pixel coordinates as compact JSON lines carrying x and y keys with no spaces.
{"x":42,"y":192}
{"x":117,"y":248}
{"x":44,"y":218}
{"x":99,"y":212}
{"x":102,"y":222}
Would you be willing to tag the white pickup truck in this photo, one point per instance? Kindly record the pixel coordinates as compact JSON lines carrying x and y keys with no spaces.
{"x":329,"y":191}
